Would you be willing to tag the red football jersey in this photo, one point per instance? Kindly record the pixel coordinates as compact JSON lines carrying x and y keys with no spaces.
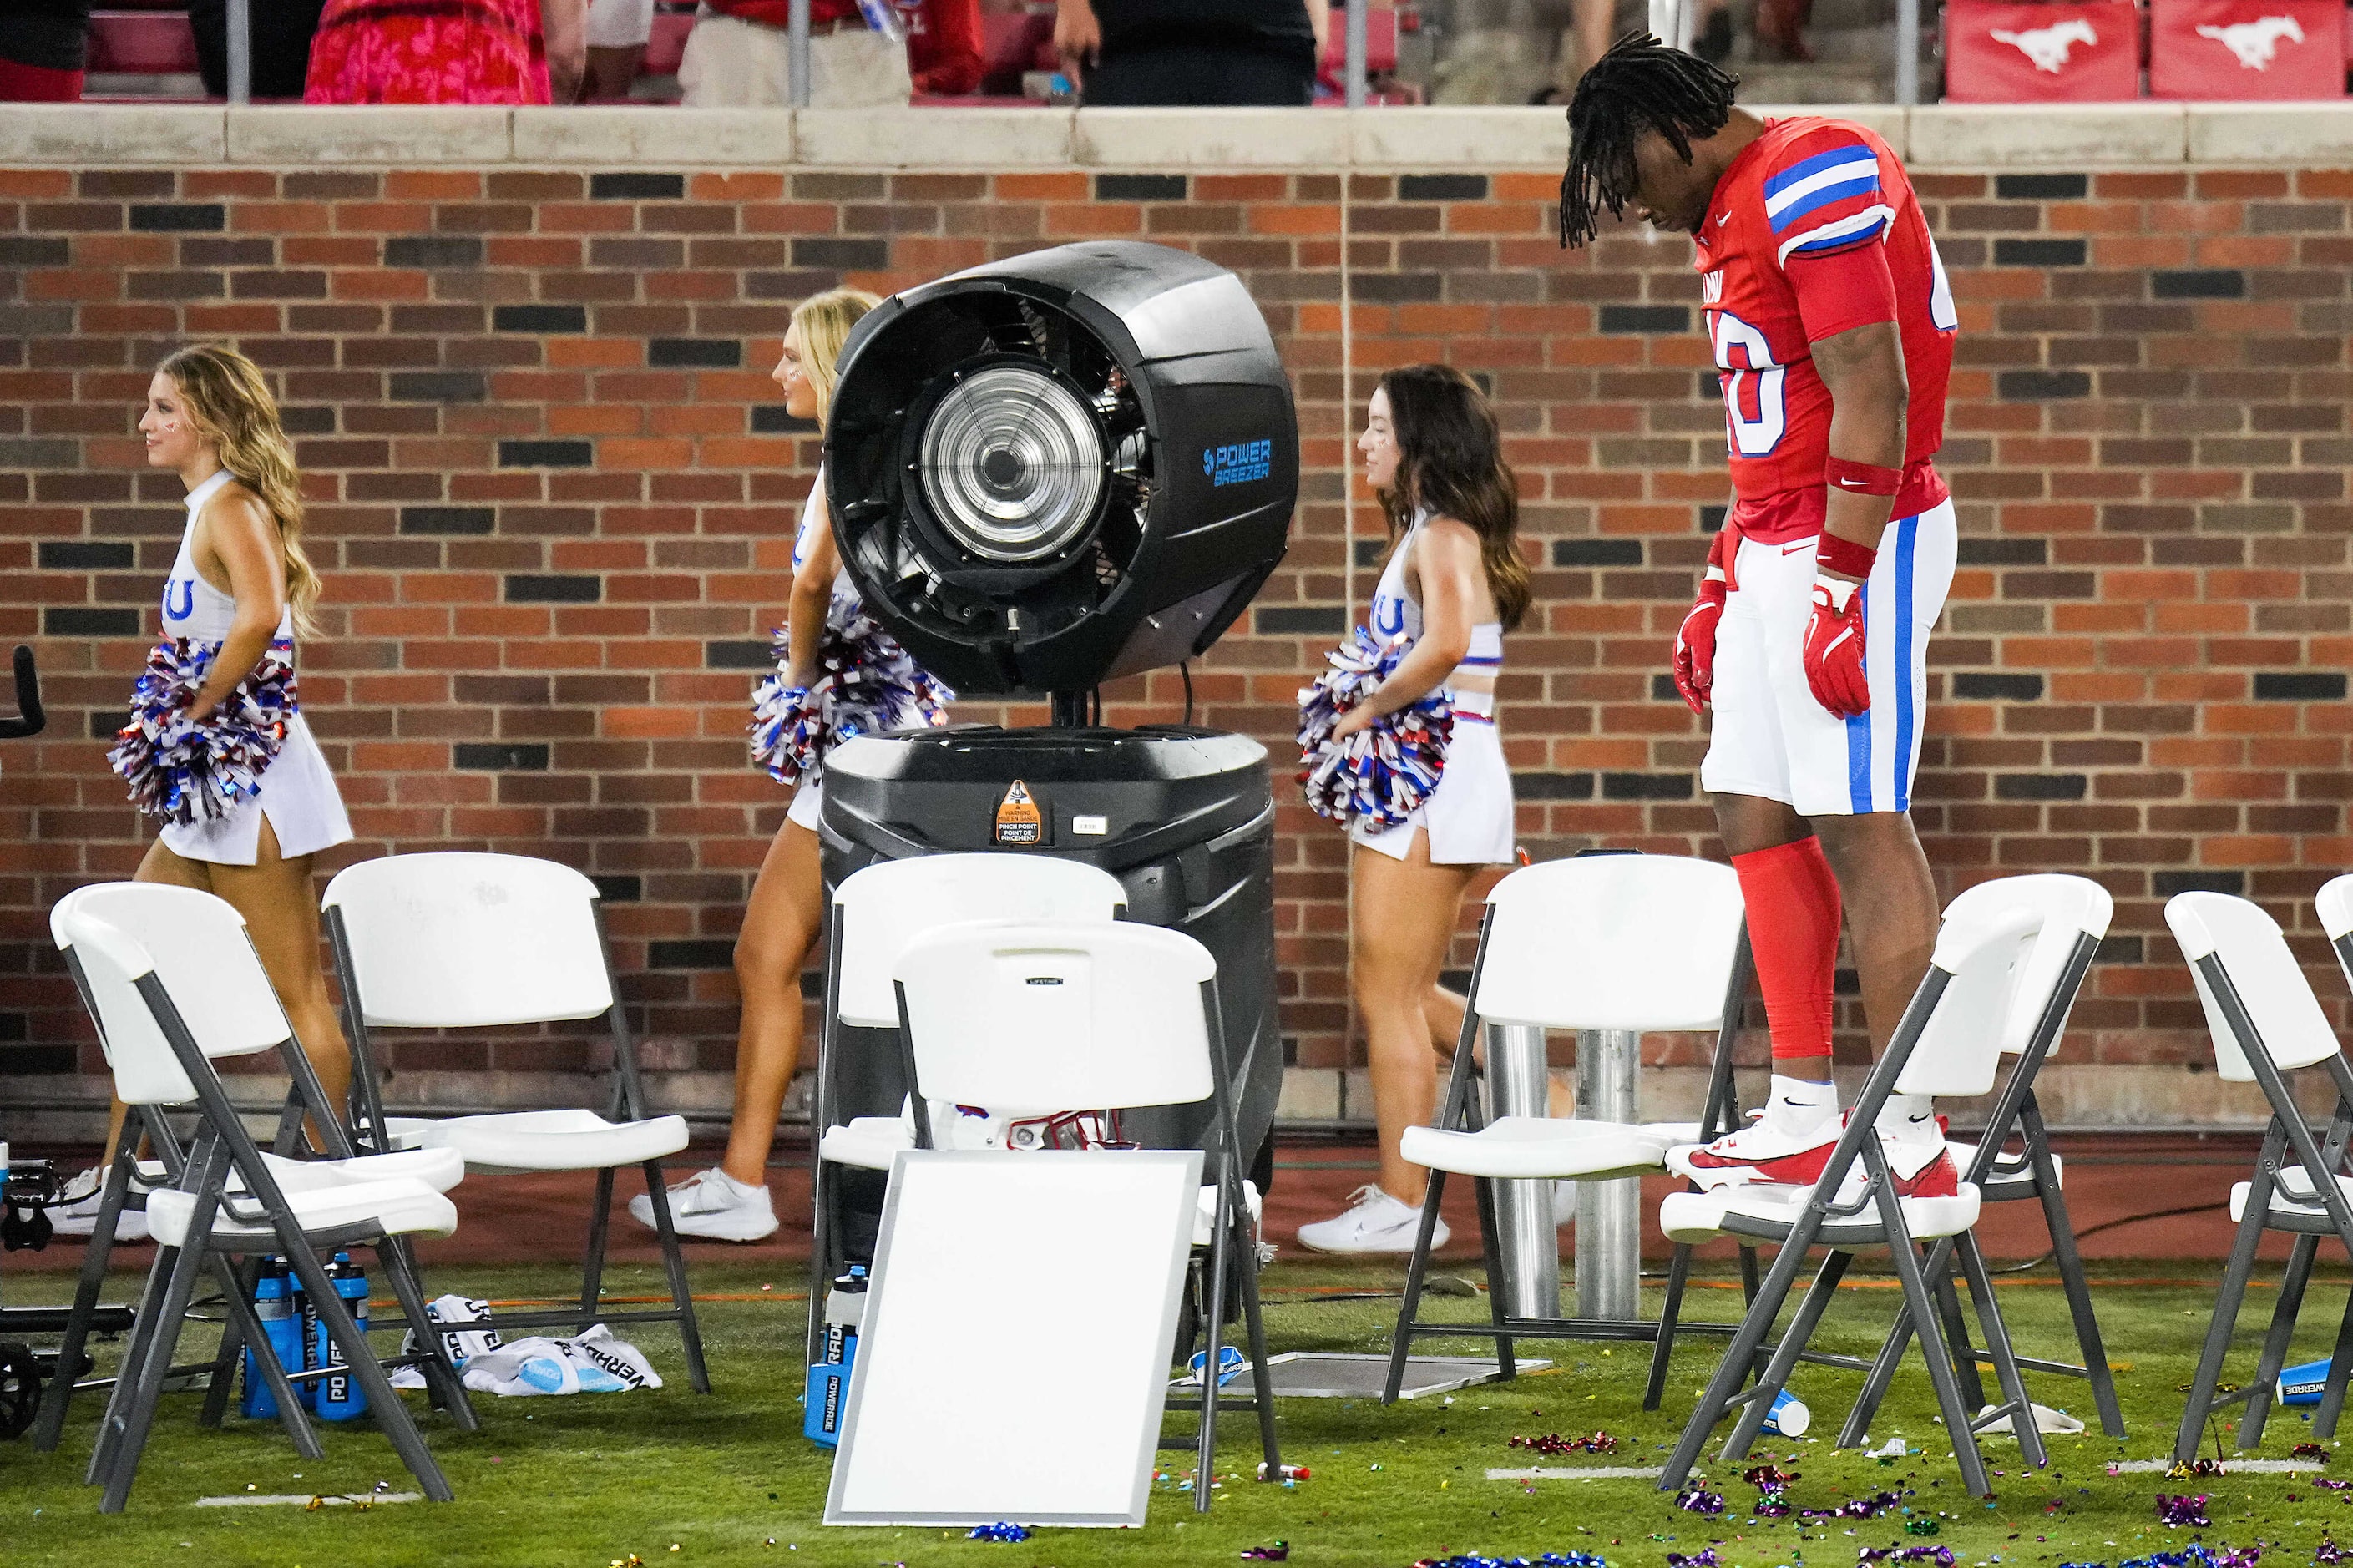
{"x":1808,"y":188}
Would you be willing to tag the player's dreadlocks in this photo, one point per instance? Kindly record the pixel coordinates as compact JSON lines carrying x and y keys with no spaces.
{"x":1640,"y":85}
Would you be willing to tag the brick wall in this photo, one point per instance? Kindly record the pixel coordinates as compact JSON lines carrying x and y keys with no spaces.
{"x":552,"y":488}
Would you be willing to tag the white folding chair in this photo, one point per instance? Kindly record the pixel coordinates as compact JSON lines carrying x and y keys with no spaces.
{"x":1043,"y":1019}
{"x":184,"y":992}
{"x":155,"y":913}
{"x":1948,"y":1044}
{"x":1639,"y":942}
{"x":2076,"y":912}
{"x":459,"y":940}
{"x":2265,"y":1024}
{"x":877,"y":911}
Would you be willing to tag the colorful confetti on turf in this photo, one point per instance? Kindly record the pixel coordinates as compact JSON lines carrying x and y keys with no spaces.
{"x":2309,"y":1451}
{"x":1549,"y":1560}
{"x":1698,"y":1500}
{"x":1553,"y":1444}
{"x":1381,"y":774}
{"x":1278,"y":1553}
{"x":2189,"y":1509}
{"x":1000,"y":1530}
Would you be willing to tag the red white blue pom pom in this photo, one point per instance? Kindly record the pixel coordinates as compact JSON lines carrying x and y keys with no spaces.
{"x":185,"y":771}
{"x":1378,"y":774}
{"x":866,"y":684}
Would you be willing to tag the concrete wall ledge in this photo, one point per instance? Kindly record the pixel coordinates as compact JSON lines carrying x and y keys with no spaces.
{"x":1974,"y":137}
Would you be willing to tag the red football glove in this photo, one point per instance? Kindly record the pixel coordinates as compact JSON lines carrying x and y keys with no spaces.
{"x":1695,"y":643}
{"x":1833,"y":656}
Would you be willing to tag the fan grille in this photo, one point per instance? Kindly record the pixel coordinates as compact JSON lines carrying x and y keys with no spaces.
{"x":1013,"y":464}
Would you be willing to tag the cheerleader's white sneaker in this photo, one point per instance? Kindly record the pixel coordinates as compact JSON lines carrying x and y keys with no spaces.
{"x":715,"y":1206}
{"x":1374,"y":1222}
{"x":77,"y":1213}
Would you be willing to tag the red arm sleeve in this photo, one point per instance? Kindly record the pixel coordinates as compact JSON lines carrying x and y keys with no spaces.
{"x":945,"y":56}
{"x":1845,"y":289}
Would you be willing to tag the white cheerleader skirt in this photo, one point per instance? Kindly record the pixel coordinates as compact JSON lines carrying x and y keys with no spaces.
{"x":297,"y":793}
{"x":1469,"y":816}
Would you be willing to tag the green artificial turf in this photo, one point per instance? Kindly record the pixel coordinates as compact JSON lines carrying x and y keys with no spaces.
{"x":677,"y":1478}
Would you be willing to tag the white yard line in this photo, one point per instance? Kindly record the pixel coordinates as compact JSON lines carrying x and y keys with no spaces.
{"x":285,"y":1499}
{"x":1596,"y":1473}
{"x":2230,"y":1466}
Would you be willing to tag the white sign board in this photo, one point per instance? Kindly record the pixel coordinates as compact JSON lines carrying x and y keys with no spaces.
{"x":1013,"y":1364}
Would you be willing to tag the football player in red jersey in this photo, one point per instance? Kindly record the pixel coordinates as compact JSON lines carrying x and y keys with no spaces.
{"x":1832,"y":326}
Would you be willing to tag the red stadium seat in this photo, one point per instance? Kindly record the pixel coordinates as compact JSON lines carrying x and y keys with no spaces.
{"x":1999,"y":51}
{"x":143,"y":42}
{"x":1011,"y":44}
{"x":2247,"y":49}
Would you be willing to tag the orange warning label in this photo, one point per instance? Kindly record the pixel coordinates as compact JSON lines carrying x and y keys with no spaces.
{"x":1019,"y":821}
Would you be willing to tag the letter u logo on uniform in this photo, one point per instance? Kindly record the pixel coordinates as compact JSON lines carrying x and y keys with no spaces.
{"x":188,"y":592}
{"x":1388,"y":616}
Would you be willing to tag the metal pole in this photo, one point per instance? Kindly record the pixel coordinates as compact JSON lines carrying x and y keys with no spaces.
{"x":797,"y":51}
{"x":1528,"y":1237}
{"x":240,"y":51}
{"x":1359,"y":19}
{"x":1907,"y":51}
{"x":1608,"y":1213}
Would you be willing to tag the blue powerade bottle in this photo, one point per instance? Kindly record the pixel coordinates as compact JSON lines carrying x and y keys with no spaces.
{"x":339,"y":1396}
{"x":273,"y":1303}
{"x":828,"y":1380}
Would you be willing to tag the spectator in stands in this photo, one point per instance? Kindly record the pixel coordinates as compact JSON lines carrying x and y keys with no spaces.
{"x":449,"y":51}
{"x":738,"y":57}
{"x":618,"y":32}
{"x":282,"y":44}
{"x":1128,"y":53}
{"x":43,"y":46}
{"x":942,"y":45}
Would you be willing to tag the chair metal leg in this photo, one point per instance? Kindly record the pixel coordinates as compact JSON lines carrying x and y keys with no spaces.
{"x":130,"y":1428}
{"x":50,"y":1426}
{"x":1776,"y":1375}
{"x":820,"y":1272}
{"x":1254,"y":1325}
{"x":1957,"y":1337}
{"x":1213,"y":1335}
{"x":2078,"y":1290}
{"x":1401,"y":1343}
{"x":1998,"y":1345}
{"x":600,"y":1226}
{"x":447,"y":1389}
{"x":1747,"y":1342}
{"x":146,"y":1323}
{"x":690,"y":1332}
{"x":1922,"y":1304}
{"x":1663,"y":1348}
{"x":1507,"y":1365}
{"x":2285,"y":1312}
{"x":392,"y":1417}
{"x":2340,"y":1363}
{"x":2235,"y":1274}
{"x":235,"y":1294}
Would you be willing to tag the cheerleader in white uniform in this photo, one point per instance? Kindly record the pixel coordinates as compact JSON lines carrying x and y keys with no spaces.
{"x":242,"y":580}
{"x":1453,"y":586}
{"x":731,"y":1201}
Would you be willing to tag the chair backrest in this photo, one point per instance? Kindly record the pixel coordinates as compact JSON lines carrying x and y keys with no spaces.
{"x":2072,"y":908}
{"x":1028,"y":1019}
{"x":196,"y":945}
{"x":1986,"y":956}
{"x":884,"y":907}
{"x":460,"y":941}
{"x":2287,"y":1017}
{"x":1611,"y":942}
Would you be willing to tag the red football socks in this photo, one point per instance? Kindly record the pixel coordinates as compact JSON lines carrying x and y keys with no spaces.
{"x":1793,"y":932}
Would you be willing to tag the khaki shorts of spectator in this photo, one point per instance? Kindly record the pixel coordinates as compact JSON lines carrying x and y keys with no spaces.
{"x":620,"y":24}
{"x":734,"y":63}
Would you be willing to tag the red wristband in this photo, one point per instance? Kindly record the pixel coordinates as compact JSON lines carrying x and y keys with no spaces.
{"x":1844,"y":556}
{"x":1861,"y":479}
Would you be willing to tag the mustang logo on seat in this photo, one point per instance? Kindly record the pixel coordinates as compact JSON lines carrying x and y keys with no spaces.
{"x":2256,"y":42}
{"x":2049,"y":46}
